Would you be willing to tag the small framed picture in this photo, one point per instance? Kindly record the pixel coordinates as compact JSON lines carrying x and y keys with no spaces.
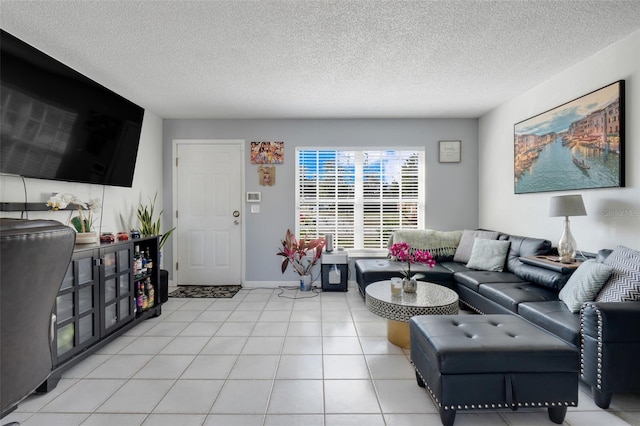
{"x":449,"y":151}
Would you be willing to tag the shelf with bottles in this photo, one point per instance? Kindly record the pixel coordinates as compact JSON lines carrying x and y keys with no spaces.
{"x":145,"y":275}
{"x":145,"y":295}
{"x":143,"y":262}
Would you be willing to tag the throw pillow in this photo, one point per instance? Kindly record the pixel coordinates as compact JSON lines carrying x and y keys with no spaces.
{"x":624,"y":283}
{"x":584,"y":284}
{"x":488,"y":255}
{"x":463,"y":252}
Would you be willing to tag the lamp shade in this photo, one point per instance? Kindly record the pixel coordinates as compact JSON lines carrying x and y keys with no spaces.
{"x":567,"y":205}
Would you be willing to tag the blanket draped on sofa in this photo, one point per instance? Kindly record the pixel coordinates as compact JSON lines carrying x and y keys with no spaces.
{"x":441,"y":244}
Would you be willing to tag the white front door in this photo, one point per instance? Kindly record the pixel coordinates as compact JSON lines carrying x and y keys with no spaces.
{"x":209,"y":203}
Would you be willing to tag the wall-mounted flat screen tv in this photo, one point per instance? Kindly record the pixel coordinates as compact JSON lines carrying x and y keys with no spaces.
{"x":58,"y":124}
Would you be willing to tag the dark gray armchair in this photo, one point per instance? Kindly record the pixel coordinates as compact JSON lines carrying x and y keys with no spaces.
{"x":34,"y":256}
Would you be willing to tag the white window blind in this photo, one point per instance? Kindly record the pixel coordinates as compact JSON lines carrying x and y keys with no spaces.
{"x":359,"y":196}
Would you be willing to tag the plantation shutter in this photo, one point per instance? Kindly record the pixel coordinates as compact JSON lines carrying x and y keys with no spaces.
{"x":360,"y":197}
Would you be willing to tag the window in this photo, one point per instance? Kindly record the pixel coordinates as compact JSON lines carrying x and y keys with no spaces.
{"x":359,"y":196}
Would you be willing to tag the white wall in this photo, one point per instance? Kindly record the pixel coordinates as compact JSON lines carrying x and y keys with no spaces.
{"x":613,"y":214}
{"x":120,"y":204}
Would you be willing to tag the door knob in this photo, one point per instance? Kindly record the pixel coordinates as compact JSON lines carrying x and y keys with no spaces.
{"x":236,"y":213}
{"x":237,"y":222}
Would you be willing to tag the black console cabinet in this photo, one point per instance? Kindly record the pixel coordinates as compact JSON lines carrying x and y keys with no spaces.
{"x":97,"y":300}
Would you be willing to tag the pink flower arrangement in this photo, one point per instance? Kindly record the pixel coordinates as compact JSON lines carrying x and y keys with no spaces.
{"x":402,"y":252}
{"x":301,"y":255}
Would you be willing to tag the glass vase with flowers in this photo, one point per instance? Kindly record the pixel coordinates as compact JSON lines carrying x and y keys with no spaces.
{"x":403,"y":252}
{"x":302,"y":255}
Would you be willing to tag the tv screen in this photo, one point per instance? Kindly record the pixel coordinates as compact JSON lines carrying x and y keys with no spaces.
{"x":58,"y":124}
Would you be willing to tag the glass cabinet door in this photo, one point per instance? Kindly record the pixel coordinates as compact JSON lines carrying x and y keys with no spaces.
{"x":67,"y":281}
{"x":116,"y":297}
{"x":76,"y":306}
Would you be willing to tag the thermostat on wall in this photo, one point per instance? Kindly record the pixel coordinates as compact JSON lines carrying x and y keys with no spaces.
{"x":253,"y":197}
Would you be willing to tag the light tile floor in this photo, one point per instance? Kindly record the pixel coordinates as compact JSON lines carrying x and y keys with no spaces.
{"x":266,"y":357}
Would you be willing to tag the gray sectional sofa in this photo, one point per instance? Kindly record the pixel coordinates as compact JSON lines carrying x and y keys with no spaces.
{"x":606,"y":332}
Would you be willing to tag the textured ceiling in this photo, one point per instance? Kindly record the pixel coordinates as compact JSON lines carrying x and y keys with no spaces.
{"x":320,"y":59}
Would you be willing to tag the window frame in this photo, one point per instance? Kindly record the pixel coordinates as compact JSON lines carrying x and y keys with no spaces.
{"x":359,"y":200}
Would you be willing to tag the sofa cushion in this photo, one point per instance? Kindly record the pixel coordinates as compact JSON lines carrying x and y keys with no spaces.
{"x":488,"y":255}
{"x":463,"y":252}
{"x":473,"y":278}
{"x":525,"y":246}
{"x":624,"y":283}
{"x":454,"y":266}
{"x":555,"y":317}
{"x":510,"y":295}
{"x":584,"y":284}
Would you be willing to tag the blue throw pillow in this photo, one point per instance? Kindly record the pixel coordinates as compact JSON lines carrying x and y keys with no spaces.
{"x":584,"y":284}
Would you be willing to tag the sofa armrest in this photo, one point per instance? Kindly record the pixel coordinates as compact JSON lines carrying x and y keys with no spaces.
{"x":541,"y":276}
{"x":610,"y":347}
{"x":611,"y":321}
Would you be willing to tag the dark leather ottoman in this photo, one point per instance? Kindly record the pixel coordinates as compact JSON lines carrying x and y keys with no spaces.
{"x":492,"y":361}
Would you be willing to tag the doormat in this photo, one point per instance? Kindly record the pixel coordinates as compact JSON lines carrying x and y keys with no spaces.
{"x":209,"y":291}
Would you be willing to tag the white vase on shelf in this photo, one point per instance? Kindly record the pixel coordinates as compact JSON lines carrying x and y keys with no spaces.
{"x":86,"y":237}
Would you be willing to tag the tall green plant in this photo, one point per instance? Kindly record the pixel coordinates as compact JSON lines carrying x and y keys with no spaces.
{"x":149,"y":226}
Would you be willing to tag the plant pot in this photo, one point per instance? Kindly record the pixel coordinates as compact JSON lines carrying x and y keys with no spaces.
{"x":305,"y":282}
{"x":409,"y":285}
{"x":163,"y":288}
{"x":86,"y":237}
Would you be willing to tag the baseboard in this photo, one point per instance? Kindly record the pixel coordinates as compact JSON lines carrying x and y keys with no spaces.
{"x":269,"y":284}
{"x":277,"y":284}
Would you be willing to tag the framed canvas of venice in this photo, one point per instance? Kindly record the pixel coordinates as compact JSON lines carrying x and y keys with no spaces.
{"x":577,"y":145}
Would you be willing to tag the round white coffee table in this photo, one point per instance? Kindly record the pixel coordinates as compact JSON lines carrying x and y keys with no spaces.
{"x":429,"y":299}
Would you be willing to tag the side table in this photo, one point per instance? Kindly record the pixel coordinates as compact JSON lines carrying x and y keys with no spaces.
{"x":550,"y":262}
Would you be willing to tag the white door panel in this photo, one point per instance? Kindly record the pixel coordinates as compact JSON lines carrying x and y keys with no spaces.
{"x":209,"y":200}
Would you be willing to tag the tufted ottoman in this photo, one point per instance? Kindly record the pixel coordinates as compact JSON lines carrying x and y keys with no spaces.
{"x":492,"y":361}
